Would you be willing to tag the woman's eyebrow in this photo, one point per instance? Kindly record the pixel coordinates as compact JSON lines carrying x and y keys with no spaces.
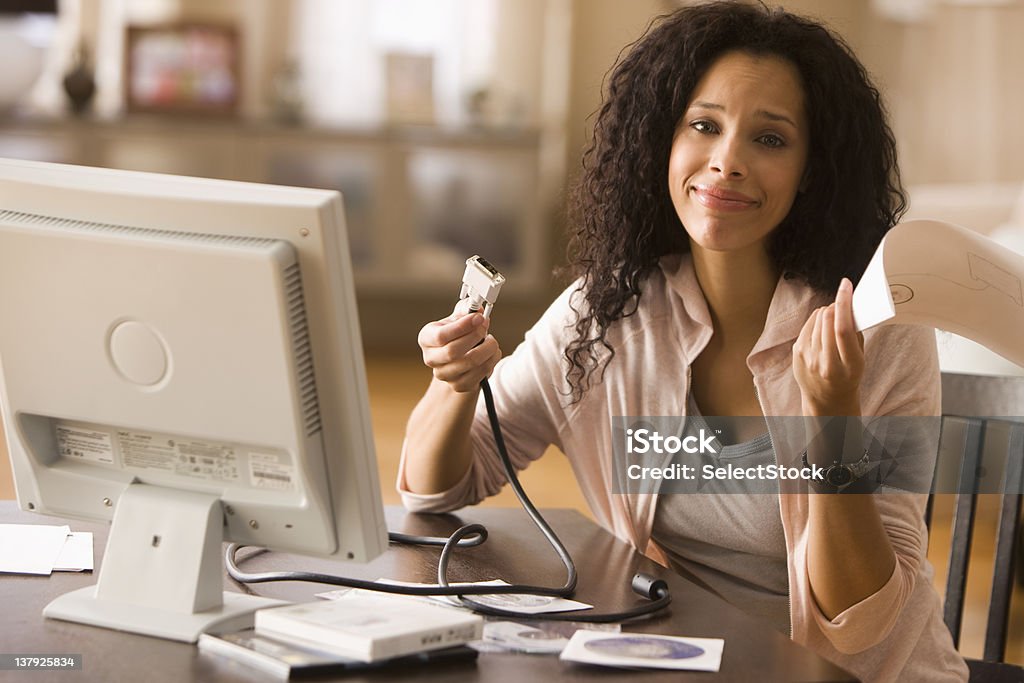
{"x":763,"y":113}
{"x":772,"y":116}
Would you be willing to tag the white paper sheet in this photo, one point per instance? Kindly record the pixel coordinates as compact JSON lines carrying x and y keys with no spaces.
{"x":945,"y":276}
{"x":30,"y":548}
{"x":76,"y":555}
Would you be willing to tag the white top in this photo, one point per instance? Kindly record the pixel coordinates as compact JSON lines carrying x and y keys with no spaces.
{"x":732,"y":544}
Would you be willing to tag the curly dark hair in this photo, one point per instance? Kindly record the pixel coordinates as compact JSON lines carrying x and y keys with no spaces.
{"x":621,"y":215}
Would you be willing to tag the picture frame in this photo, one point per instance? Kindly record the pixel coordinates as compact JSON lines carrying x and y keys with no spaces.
{"x":182,"y":68}
{"x":409,"y":79}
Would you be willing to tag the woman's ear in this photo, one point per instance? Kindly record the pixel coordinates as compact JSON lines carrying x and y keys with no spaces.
{"x":805,"y":181}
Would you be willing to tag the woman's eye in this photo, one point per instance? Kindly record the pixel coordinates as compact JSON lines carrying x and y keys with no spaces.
{"x":703,"y":126}
{"x":771,"y":140}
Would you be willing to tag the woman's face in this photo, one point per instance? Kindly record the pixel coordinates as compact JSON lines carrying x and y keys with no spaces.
{"x":739,"y":152}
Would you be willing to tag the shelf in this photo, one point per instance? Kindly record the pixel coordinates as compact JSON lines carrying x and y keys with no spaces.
{"x":418,"y":199}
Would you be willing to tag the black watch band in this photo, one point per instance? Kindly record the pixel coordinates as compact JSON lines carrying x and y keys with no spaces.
{"x":838,"y":475}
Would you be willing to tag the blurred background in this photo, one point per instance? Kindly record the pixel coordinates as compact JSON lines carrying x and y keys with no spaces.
{"x":454,"y":127}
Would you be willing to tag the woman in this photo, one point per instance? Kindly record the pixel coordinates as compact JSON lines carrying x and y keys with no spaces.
{"x":741,"y":176}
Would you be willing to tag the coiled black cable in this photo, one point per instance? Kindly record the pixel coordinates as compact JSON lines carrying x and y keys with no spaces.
{"x":471,"y":535}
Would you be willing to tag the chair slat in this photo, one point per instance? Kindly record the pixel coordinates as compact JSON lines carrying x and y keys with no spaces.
{"x":974,"y":406}
{"x":963,"y":526}
{"x":1006,"y":548}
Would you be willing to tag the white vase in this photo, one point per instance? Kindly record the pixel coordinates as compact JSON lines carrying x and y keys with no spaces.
{"x":22,"y":61}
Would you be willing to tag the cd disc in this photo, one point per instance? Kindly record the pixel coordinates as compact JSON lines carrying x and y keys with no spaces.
{"x":643,"y":647}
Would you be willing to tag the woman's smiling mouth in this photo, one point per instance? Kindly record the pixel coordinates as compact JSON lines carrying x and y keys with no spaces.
{"x":719,"y":198}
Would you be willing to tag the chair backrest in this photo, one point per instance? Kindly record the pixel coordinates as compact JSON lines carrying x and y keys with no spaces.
{"x":983,"y":433}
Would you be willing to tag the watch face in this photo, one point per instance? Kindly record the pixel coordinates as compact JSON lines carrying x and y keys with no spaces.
{"x":839,"y":475}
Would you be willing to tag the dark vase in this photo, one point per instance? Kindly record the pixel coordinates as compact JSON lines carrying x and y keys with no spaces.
{"x":79,"y":83}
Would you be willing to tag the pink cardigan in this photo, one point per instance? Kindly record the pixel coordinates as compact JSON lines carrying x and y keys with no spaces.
{"x":895,"y":634}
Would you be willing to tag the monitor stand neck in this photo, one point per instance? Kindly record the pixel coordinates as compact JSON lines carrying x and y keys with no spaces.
{"x":162,"y":572}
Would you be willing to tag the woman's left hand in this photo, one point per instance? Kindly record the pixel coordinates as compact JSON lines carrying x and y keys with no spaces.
{"x":828,"y":358}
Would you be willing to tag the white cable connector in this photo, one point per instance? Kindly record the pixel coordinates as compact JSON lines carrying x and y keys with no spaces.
{"x":481,"y":284}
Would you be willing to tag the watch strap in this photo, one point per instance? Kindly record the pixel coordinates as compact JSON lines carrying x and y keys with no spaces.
{"x":838,"y":476}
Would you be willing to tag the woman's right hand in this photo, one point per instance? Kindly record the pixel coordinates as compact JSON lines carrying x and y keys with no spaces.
{"x":459,"y":350}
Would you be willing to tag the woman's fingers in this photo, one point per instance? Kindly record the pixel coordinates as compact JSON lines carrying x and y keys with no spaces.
{"x":442,"y":332}
{"x":849,"y":343}
{"x":443,"y":342}
{"x":828,"y":357}
{"x":474,"y":358}
{"x":829,"y":349}
{"x":459,"y":350}
{"x":465,"y":373}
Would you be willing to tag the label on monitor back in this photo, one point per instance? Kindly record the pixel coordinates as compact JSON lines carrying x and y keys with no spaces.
{"x":82,"y":443}
{"x":180,"y":456}
{"x":271,"y":471}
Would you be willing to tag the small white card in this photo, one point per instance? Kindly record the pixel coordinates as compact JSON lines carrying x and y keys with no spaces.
{"x":76,"y":555}
{"x":30,"y":548}
{"x":644,"y":650}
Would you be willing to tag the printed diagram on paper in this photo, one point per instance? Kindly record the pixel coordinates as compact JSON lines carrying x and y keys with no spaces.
{"x":948,"y":277}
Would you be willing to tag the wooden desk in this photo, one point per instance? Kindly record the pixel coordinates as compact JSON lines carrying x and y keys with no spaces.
{"x":515,"y":552}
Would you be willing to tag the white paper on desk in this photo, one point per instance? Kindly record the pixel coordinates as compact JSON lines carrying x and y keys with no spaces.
{"x":513,"y":602}
{"x":945,"y":276}
{"x":30,"y":548}
{"x":644,"y":650}
{"x":76,"y":555}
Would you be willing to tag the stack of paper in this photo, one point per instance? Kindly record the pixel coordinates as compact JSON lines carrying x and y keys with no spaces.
{"x":369,"y":627}
{"x":43,"y":549}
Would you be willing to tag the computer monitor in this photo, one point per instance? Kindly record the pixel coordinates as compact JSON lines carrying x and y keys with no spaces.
{"x":182,"y":356}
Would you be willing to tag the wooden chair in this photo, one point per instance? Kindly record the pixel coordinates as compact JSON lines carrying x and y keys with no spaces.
{"x":983,"y":433}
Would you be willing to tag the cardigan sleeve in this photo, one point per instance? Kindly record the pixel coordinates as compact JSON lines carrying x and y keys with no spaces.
{"x":530,"y":393}
{"x":904,"y":383}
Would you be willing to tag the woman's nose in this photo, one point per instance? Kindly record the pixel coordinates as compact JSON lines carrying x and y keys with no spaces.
{"x":727,"y":158}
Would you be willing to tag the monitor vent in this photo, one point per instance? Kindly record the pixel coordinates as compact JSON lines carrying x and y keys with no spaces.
{"x":29,"y":219}
{"x":301,"y":348}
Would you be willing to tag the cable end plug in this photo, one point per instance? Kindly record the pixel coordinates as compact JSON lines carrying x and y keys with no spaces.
{"x":649,"y":587}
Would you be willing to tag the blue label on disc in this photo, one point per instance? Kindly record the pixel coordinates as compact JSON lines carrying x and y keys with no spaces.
{"x":644,"y":648}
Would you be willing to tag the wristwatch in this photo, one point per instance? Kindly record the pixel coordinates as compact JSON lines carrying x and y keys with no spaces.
{"x":838,"y":475}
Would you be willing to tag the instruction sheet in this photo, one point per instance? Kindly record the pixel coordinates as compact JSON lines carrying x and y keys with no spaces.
{"x":942,"y":275}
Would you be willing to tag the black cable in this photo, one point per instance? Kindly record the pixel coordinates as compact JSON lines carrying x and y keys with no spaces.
{"x":409,"y":539}
{"x":453,"y":541}
{"x":472,"y":535}
{"x":524,"y":500}
{"x":662,"y":600}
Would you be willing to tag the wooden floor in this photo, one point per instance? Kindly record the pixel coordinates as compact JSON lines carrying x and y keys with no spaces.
{"x":396,"y":384}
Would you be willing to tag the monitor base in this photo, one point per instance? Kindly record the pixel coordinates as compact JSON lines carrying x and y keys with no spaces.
{"x":162,"y":573}
{"x":84,"y":607}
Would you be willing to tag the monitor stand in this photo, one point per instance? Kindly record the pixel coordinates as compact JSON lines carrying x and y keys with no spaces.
{"x":162,"y":572}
